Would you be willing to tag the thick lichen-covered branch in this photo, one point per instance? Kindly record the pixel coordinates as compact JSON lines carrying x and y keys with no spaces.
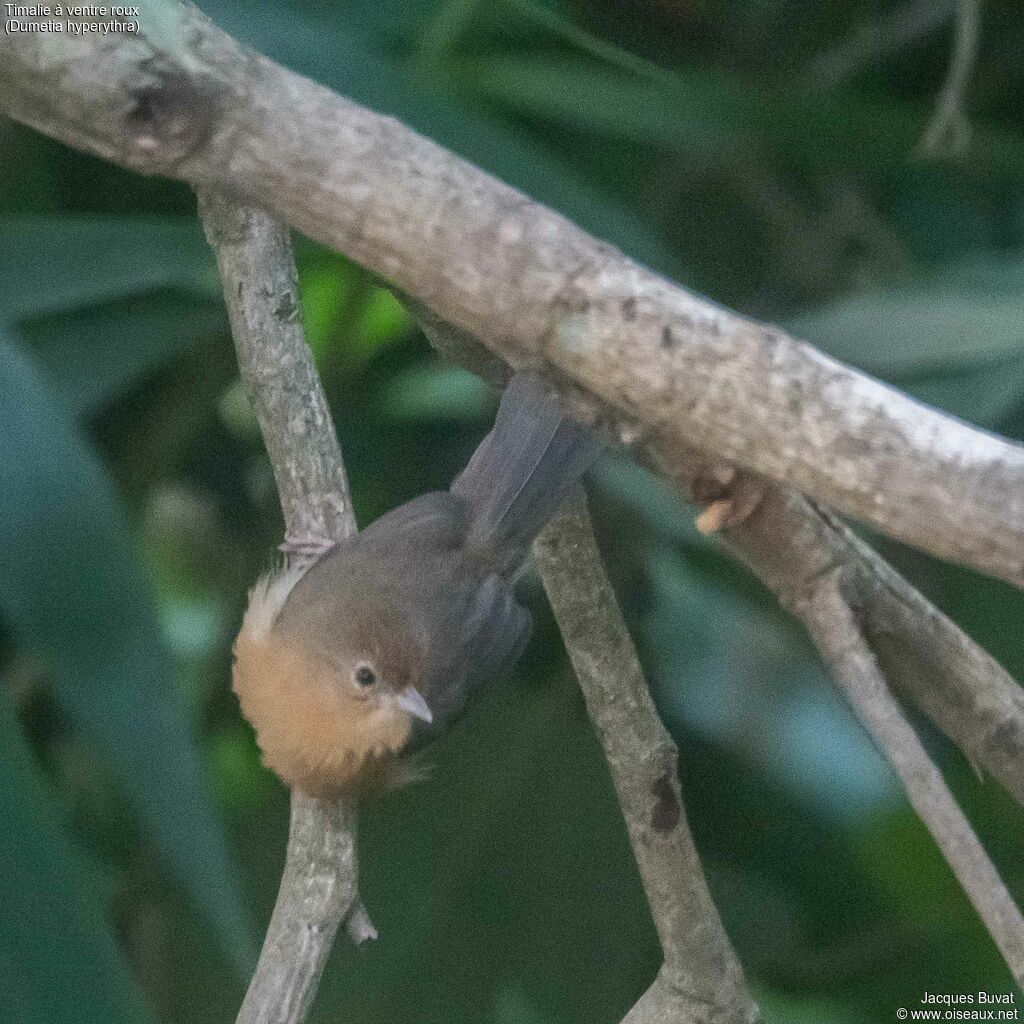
{"x":319,"y":885}
{"x":664,"y":366}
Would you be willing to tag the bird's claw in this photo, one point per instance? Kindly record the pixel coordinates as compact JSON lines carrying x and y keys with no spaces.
{"x":304,"y":549}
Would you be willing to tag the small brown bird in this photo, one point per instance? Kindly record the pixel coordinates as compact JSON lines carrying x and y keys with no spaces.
{"x":349,"y":666}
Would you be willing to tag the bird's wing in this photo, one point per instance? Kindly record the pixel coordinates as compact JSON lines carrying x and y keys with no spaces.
{"x":487,"y":631}
{"x":429,"y":525}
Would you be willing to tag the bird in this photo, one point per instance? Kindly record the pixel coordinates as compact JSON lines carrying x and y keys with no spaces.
{"x":350,"y":668}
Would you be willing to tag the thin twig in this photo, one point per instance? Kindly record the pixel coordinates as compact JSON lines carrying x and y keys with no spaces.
{"x":658,"y":363}
{"x":701,"y":980}
{"x":835,"y":631}
{"x":949,"y":126}
{"x":319,"y":884}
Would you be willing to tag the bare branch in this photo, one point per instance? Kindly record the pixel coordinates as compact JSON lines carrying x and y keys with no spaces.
{"x":835,"y":631}
{"x":257,"y":269}
{"x":949,"y":126}
{"x":659,"y":363}
{"x":652,"y":361}
{"x":319,"y":884}
{"x":317,"y":893}
{"x":790,"y":544}
{"x":701,"y":980}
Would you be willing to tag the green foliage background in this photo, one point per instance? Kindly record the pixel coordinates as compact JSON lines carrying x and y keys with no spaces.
{"x":762,"y":153}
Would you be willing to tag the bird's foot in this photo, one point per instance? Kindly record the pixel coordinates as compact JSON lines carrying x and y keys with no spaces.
{"x":305,"y":548}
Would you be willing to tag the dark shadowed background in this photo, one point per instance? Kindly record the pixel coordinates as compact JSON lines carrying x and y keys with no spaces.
{"x":765,"y":154}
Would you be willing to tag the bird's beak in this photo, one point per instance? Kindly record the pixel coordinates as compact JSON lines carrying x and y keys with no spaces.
{"x":411,"y":700}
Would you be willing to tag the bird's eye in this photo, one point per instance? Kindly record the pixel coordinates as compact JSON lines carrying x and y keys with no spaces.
{"x":364,"y":676}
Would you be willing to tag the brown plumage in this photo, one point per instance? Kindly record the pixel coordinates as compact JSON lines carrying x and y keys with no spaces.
{"x":347,"y":668}
{"x":316,"y":729}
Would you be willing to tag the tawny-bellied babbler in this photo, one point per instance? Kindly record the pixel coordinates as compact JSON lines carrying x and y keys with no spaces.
{"x":362,"y":659}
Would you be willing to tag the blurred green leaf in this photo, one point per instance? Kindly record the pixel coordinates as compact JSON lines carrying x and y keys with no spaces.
{"x":348,"y":316}
{"x":93,"y":621}
{"x":326,"y":290}
{"x":236,"y":412}
{"x":910,"y":852}
{"x":105,"y":301}
{"x":782,"y":1008}
{"x":511,"y":1006}
{"x":59,"y":960}
{"x":91,"y":356}
{"x":349,"y":60}
{"x":443,"y":28}
{"x":238,"y":774}
{"x":561,"y":26}
{"x":713,"y":112}
{"x":25,"y":168}
{"x":654,"y":500}
{"x":384,"y":319}
{"x":953,"y":336}
{"x":986,"y":394}
{"x":441,"y":31}
{"x":437,"y":392}
{"x":909,"y":872}
{"x":962,"y":314}
{"x":50,"y":264}
{"x":594,"y":97}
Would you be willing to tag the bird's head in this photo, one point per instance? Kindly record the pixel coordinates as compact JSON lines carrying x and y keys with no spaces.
{"x":331,"y":692}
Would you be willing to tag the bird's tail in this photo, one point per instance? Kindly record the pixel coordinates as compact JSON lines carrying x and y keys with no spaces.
{"x":524,"y":469}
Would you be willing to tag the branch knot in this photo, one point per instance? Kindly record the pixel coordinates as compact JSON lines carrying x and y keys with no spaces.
{"x":172,"y":114}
